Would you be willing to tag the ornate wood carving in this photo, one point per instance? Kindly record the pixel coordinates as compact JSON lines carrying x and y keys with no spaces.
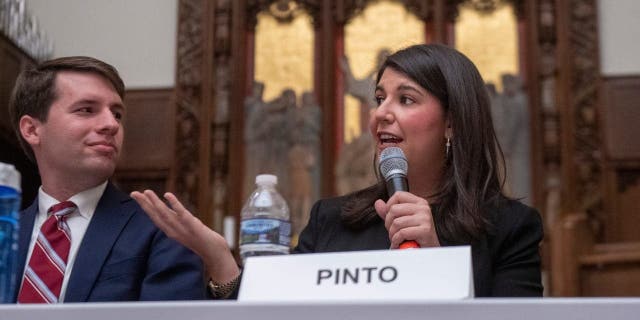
{"x":418,"y":7}
{"x":195,"y":106}
{"x":283,"y":10}
{"x":488,"y":6}
{"x":548,"y":108}
{"x":219,"y":164}
{"x":566,"y":94}
{"x":345,"y":10}
{"x":481,"y":6}
{"x":202,"y":99}
{"x":188,"y":101}
{"x":542,"y":68}
{"x":584,"y":91}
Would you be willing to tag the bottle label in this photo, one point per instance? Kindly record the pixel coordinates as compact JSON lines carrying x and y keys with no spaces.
{"x":8,"y":258}
{"x":267,"y":231}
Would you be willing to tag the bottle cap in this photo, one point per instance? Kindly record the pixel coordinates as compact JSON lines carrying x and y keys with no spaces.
{"x":9,"y":176}
{"x":267,"y":179}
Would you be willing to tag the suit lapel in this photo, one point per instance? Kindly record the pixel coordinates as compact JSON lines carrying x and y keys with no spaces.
{"x":110,"y":217}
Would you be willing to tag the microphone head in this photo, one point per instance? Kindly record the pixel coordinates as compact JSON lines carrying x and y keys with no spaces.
{"x":392,"y":162}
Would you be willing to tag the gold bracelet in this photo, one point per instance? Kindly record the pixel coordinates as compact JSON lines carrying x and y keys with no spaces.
{"x":224,"y":290}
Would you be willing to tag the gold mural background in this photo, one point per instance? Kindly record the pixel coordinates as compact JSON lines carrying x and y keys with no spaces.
{"x":284,"y":54}
{"x":490,"y":41}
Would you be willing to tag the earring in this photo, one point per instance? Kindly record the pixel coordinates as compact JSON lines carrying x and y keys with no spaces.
{"x":448,"y":147}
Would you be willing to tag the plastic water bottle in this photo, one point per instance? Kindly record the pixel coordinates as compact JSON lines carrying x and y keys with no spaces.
{"x":265,"y":228}
{"x":10,"y":192}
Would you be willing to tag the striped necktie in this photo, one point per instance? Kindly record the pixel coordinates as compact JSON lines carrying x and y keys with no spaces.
{"x":43,"y":276}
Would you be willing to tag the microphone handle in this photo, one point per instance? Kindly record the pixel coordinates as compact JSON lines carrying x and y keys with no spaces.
{"x":395,"y":183}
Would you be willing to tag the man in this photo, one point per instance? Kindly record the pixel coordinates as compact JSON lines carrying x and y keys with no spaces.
{"x":82,"y":239}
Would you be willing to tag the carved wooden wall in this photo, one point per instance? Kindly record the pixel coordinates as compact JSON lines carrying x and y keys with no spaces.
{"x":12,"y":61}
{"x":565,"y":98}
{"x":195,"y":106}
{"x":596,"y":249}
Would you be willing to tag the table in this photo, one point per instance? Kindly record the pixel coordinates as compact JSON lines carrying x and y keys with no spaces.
{"x":477,"y":309}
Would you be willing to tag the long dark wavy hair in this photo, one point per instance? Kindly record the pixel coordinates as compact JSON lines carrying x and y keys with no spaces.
{"x":470,"y":180}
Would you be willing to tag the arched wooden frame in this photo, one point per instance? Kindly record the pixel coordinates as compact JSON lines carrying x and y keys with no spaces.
{"x":328,"y":19}
{"x":214,"y":41}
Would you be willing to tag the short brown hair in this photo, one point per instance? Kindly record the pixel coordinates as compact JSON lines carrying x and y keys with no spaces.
{"x":35,"y":92}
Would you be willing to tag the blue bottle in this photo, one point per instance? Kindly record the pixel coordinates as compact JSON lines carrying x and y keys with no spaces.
{"x":10,"y":194}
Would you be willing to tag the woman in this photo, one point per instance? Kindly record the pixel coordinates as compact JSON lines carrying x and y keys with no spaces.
{"x":432,"y":104}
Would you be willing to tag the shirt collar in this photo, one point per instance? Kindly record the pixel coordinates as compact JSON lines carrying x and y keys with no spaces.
{"x":86,"y":200}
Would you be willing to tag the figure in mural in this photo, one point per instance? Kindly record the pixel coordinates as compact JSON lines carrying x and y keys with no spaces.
{"x":279,"y":137}
{"x":362,"y":89}
{"x":283,"y":138}
{"x":266,"y":135}
{"x":511,"y":119}
{"x":495,"y":108}
{"x":353,"y":171}
{"x":354,"y":166}
{"x":498,"y":125}
{"x":304,"y":156}
{"x":255,"y":135}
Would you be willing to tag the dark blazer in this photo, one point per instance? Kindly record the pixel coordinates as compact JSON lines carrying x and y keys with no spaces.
{"x":506,"y":261}
{"x":124,"y":257}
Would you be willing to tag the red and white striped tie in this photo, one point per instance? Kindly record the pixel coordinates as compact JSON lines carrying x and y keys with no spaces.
{"x":43,"y":276}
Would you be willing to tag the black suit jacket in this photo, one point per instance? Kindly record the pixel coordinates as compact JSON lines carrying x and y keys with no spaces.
{"x":124,"y":256}
{"x":506,"y":260}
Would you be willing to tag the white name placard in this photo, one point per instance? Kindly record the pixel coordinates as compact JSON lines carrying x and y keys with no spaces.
{"x":385,"y":275}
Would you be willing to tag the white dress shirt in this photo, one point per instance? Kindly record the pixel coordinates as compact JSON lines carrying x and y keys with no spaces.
{"x":87,"y":201}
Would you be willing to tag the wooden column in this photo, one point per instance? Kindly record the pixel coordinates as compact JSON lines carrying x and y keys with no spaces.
{"x":327,"y":93}
{"x":439,"y":22}
{"x":236,"y":109}
{"x":577,"y":96}
{"x":572,"y":145}
{"x":190,"y":172}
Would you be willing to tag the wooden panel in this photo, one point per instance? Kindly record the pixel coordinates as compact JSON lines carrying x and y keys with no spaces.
{"x":155,"y":180}
{"x":621,"y":220}
{"x":620,"y":113}
{"x":611,"y":280}
{"x":582,"y":268}
{"x":12,"y":60}
{"x":628,"y":205}
{"x":10,"y":152}
{"x":619,"y":116}
{"x":148,"y":143}
{"x":572,"y":238}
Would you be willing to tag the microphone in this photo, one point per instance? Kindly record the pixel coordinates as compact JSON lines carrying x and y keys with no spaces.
{"x":393,"y":167}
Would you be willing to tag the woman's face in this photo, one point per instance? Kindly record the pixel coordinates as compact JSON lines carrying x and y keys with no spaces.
{"x":411,"y":118}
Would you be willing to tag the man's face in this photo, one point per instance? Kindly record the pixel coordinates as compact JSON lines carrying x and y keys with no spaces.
{"x":82,"y":135}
